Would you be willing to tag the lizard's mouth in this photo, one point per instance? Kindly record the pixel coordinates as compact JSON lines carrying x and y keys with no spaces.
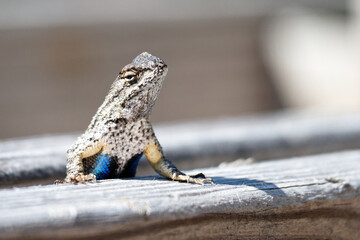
{"x":163,"y":69}
{"x":163,"y":66}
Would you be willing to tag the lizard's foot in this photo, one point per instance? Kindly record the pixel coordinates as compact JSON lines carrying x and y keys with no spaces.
{"x":59,"y":182}
{"x":198,"y":178}
{"x":82,"y":178}
{"x":78,"y":178}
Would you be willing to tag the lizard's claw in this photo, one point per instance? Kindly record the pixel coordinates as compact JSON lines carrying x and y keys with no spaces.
{"x":82,"y":178}
{"x":59,"y":182}
{"x":198,"y":178}
{"x":78,"y":178}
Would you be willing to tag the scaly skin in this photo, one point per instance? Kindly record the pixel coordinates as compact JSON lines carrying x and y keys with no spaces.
{"x":120,"y":132}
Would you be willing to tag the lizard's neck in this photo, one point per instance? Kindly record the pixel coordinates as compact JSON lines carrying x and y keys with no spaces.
{"x":109,"y":110}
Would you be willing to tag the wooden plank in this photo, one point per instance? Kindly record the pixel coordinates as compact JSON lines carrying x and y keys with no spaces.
{"x":315,"y":197}
{"x":261,"y":137}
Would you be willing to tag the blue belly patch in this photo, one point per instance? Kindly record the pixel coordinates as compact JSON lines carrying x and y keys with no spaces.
{"x":105,"y":166}
{"x":102,"y":165}
{"x":131,"y":166}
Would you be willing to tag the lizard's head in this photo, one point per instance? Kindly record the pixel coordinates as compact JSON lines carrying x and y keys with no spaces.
{"x":139,"y":84}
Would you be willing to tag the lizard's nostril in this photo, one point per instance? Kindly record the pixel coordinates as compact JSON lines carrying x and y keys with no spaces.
{"x":163,"y":66}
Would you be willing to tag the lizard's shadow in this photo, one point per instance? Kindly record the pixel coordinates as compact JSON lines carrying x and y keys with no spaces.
{"x":267,"y":187}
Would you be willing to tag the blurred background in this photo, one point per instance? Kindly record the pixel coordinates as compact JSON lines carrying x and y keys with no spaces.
{"x":226,"y":58}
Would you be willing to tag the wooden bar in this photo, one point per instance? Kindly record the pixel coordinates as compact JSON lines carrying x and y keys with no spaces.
{"x":198,"y":144}
{"x":313,"y":197}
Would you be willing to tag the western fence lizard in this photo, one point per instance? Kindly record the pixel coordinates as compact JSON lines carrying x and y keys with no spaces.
{"x":120,"y":132}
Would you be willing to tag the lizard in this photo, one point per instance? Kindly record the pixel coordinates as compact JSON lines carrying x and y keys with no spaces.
{"x":120,"y":132}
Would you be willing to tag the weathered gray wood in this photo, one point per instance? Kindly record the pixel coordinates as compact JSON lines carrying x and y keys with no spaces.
{"x":260,"y":137}
{"x":315,"y":197}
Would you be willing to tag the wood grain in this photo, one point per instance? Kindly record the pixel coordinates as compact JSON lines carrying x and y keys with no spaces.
{"x":314,"y":197}
{"x":197,"y":144}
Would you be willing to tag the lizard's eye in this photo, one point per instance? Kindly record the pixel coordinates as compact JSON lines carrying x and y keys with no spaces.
{"x":130,"y":78}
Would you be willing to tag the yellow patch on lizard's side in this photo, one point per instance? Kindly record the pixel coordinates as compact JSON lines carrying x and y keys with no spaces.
{"x":92,"y":150}
{"x":153,"y":154}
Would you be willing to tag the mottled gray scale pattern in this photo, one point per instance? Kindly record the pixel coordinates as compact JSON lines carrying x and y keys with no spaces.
{"x":121,"y":127}
{"x":121,"y":130}
{"x":121,"y":140}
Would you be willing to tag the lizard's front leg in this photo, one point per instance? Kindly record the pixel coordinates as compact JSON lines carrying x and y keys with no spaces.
{"x":164,"y":167}
{"x":75,"y":167}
